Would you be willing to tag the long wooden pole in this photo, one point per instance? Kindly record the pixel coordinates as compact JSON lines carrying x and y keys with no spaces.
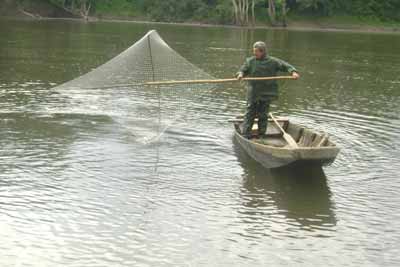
{"x":221,"y":80}
{"x":289,"y":139}
{"x":193,"y":81}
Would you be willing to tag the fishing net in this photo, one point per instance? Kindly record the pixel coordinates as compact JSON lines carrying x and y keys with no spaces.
{"x":121,"y":82}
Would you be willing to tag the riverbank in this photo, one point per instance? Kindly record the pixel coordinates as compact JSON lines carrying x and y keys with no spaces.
{"x":328,"y":25}
{"x":32,"y":10}
{"x":43,"y":10}
{"x":343,"y":23}
{"x":301,"y":25}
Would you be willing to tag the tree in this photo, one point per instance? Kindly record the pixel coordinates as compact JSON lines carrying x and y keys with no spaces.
{"x":85,"y":8}
{"x":81,"y":8}
{"x":241,"y":11}
{"x":272,"y":11}
{"x":253,"y":15}
{"x":284,"y":12}
{"x":236,"y":11}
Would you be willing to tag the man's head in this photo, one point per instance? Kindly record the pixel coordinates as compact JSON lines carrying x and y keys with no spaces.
{"x":259,"y":49}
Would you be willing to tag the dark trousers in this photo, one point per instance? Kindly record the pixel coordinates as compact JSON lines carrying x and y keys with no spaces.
{"x":258,"y":109}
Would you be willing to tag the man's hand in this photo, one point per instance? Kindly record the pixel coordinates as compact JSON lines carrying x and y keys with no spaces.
{"x":239,"y":76}
{"x":295,"y":75}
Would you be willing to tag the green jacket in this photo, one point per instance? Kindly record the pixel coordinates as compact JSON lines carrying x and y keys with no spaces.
{"x":268,"y":66}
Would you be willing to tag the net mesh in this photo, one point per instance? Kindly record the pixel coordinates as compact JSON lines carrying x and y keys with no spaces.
{"x":120,"y":81}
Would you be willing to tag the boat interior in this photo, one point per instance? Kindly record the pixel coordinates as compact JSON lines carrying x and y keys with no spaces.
{"x":304,"y":137}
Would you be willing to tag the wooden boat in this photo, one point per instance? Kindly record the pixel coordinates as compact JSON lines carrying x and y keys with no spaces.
{"x":273,"y":151}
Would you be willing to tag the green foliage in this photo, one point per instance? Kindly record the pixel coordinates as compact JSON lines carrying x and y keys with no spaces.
{"x":380,"y":9}
{"x":320,"y":7}
{"x":221,"y":11}
{"x":171,"y":10}
{"x":214,"y":11}
{"x":117,"y":7}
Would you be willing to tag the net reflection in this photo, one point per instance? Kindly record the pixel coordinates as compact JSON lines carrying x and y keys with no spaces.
{"x":294,"y":198}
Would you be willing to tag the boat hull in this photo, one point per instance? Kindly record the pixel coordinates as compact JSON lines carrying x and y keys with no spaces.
{"x":274,"y":157}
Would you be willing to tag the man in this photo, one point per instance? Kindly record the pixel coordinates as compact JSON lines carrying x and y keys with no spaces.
{"x":261,"y":93}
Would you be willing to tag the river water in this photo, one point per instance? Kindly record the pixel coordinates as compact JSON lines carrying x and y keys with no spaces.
{"x":81,"y":186}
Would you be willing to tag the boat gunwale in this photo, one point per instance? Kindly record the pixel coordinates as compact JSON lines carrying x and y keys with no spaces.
{"x":286,"y":148}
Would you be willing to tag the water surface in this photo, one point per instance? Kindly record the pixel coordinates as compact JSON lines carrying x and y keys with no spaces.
{"x":84,"y":183}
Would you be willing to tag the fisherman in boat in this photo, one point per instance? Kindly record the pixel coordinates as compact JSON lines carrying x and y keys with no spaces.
{"x":261,"y":93}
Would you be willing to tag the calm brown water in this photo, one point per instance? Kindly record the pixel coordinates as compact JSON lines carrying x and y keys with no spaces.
{"x":82,"y":185}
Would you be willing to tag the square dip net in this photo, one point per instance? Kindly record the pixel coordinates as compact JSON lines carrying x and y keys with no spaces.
{"x":117,"y":88}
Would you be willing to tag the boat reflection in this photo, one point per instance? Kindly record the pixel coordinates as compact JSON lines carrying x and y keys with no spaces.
{"x":301,"y":195}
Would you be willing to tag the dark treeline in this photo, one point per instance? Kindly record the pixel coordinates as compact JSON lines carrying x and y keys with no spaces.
{"x":240,"y":12}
